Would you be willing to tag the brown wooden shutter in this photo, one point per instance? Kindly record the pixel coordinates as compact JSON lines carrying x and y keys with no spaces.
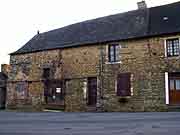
{"x":123,"y":84}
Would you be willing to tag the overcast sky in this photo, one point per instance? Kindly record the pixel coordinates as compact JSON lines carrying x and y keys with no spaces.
{"x":20,"y":19}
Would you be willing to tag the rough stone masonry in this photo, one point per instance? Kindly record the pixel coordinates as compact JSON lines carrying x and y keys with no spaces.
{"x":143,"y":58}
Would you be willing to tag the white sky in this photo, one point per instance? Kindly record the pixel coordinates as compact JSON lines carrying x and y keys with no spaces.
{"x":20,"y":19}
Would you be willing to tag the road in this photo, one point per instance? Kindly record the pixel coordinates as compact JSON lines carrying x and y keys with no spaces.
{"x":15,"y":123}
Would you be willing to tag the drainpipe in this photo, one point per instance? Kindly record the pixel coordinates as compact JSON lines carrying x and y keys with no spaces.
{"x":60,"y":64}
{"x":101,"y":102}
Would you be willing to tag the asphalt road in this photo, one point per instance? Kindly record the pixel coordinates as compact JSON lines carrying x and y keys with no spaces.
{"x":13,"y":123}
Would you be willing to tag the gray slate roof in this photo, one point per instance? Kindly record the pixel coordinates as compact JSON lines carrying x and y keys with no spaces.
{"x":133,"y":24}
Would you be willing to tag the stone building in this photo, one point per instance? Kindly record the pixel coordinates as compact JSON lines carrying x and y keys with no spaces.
{"x":124,"y":62}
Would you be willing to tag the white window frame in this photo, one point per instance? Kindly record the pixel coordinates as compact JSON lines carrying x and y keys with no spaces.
{"x":165,"y":45}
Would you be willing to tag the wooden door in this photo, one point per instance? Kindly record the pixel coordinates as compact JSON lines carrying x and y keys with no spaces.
{"x":174,"y":88}
{"x":92,"y":91}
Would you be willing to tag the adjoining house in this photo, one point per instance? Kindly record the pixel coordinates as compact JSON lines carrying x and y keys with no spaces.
{"x":3,"y":79}
{"x":124,"y":62}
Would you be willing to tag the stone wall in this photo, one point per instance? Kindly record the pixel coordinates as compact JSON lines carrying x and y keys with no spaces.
{"x":143,"y":58}
{"x":26,"y":71}
{"x":75,"y":100}
{"x":135,"y":59}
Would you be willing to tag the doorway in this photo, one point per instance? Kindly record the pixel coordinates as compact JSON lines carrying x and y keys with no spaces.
{"x":174,"y":88}
{"x":92,"y":91}
{"x":54,"y":94}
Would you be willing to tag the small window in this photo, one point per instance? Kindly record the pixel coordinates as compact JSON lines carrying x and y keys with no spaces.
{"x":114,"y":53}
{"x":174,"y":81}
{"x":124,"y":84}
{"x":21,"y":90}
{"x":175,"y":84}
{"x":46,"y":73}
{"x":178,"y":84}
{"x":172,"y":46}
{"x":172,"y":84}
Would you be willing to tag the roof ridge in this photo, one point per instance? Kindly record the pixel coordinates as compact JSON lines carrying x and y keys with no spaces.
{"x":110,"y":15}
{"x":94,"y":19}
{"x":132,"y":24}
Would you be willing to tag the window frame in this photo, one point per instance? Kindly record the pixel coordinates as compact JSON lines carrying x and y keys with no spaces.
{"x":113,"y":55}
{"x":173,"y":48}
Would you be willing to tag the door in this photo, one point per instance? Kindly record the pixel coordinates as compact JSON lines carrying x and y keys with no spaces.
{"x":174,"y":88}
{"x":92,"y":91}
{"x":54,"y":94}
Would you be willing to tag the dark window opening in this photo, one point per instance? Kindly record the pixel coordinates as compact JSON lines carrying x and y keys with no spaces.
{"x":54,"y":92}
{"x":124,"y":84}
{"x":113,"y":52}
{"x":172,"y":47}
{"x":46,"y":73}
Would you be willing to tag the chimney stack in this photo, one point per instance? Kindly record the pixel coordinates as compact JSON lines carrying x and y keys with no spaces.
{"x":38,"y":32}
{"x":142,"y":5}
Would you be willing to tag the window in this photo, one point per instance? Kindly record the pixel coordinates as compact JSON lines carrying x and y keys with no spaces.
{"x":113,"y":52}
{"x":172,"y":46}
{"x":21,"y":90}
{"x":46,"y":73}
{"x":174,"y":84}
{"x":174,"y":81}
{"x":171,"y":84}
{"x":124,"y":84}
{"x":178,"y":84}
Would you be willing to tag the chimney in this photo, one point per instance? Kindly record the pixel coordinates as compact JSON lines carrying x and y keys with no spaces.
{"x":38,"y":32}
{"x":142,"y":5}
